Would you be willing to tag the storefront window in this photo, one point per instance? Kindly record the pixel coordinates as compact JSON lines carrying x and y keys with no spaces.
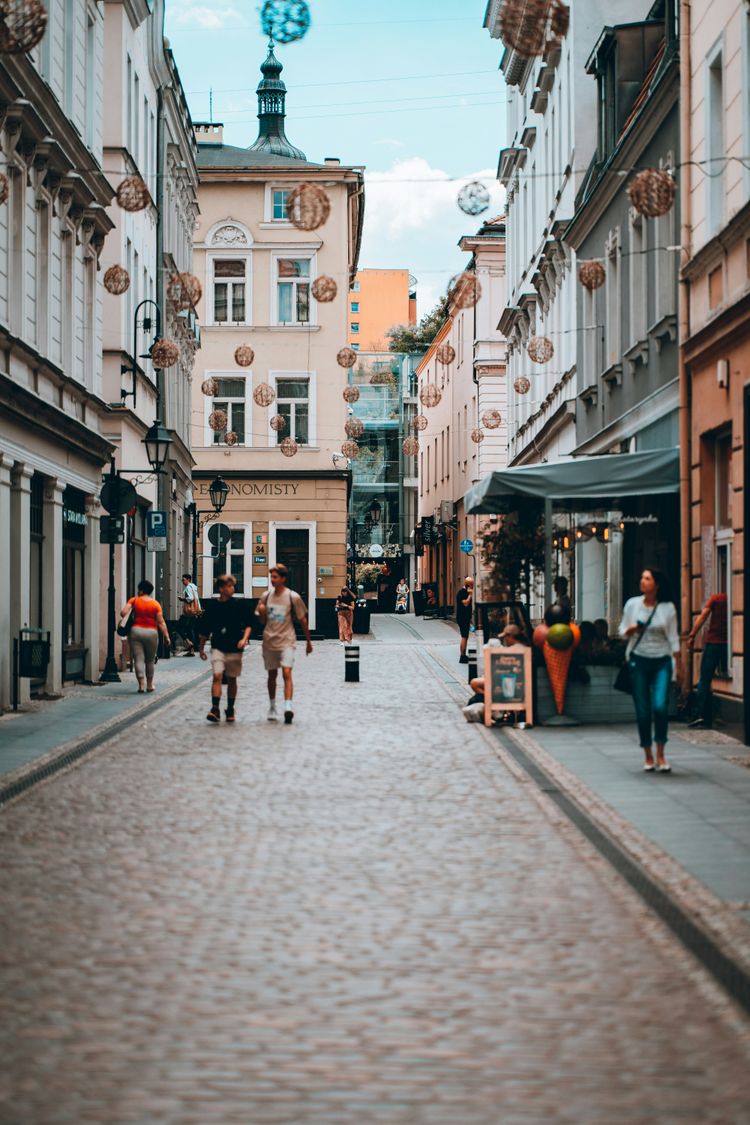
{"x":36,"y":607}
{"x":74,"y":590}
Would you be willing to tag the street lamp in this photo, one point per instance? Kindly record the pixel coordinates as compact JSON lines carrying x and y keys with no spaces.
{"x":374,"y":511}
{"x":218,"y":491}
{"x":157,"y":442}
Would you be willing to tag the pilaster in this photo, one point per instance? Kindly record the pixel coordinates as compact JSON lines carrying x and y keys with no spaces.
{"x":20,"y":556}
{"x":6,"y":638}
{"x":93,"y":579}
{"x":52,"y":580}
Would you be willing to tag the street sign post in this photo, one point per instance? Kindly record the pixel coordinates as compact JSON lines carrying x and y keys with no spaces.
{"x":118,"y":496}
{"x":112,"y":529}
{"x":219,"y":535}
{"x":156,"y":531}
{"x":467,"y":546}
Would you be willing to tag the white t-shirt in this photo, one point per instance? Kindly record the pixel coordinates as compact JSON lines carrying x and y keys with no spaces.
{"x":190,"y":592}
{"x":661,"y":638}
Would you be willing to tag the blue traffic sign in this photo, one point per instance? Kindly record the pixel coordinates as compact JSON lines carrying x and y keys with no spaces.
{"x":467,"y":546}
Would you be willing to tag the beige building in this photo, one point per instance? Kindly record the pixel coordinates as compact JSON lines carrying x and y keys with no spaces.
{"x":257,"y":271}
{"x":450,"y":462}
{"x":379,"y":300}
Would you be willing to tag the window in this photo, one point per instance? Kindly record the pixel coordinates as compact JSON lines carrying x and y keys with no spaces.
{"x":723,"y":479}
{"x":229,"y":290}
{"x":715,"y":287}
{"x":293,"y":403}
{"x":90,"y":83}
{"x":638,"y":275}
{"x":355,"y":287}
{"x":230,"y":397}
{"x":614,"y":300}
{"x":355,"y":326}
{"x":448,"y":453}
{"x":355,"y":306}
{"x":231,"y":560}
{"x":279,"y":197}
{"x":715,"y":165}
{"x":293,"y":287}
{"x":355,"y":347}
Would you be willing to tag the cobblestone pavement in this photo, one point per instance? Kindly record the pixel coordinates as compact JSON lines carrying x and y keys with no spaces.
{"x":362,"y":918}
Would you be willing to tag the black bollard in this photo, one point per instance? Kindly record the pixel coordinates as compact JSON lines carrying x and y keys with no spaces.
{"x":351,"y":664}
{"x":471,"y":652}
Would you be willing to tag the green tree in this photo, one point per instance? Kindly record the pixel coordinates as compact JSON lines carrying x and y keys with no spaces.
{"x":513,"y":548}
{"x":412,"y":338}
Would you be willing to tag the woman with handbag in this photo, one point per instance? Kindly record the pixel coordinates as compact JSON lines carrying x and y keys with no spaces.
{"x":649,"y":624}
{"x":145,"y":621}
{"x":345,"y":613}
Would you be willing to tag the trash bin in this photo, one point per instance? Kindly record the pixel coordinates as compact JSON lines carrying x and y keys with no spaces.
{"x":362,"y":616}
{"x":33,"y":653}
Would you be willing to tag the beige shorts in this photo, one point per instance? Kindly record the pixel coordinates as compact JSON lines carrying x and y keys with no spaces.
{"x":278,"y":658}
{"x":226,"y":663}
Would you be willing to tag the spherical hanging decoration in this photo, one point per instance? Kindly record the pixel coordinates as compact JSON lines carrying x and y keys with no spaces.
{"x":231,"y":438}
{"x":210,"y":387}
{"x":133,"y":195}
{"x":354,"y":427}
{"x":184,"y":290}
{"x":419,"y":423}
{"x":117,"y":280}
{"x":346,"y":357}
{"x":264,"y":394}
{"x":217,"y":420}
{"x":529,"y":27}
{"x":22,"y":25}
{"x":473,"y":198}
{"x":285,"y":20}
{"x":592,"y":275}
{"x":540,"y":349}
{"x":164,"y":353}
{"x":307,"y":207}
{"x":278,"y":423}
{"x":652,"y":192}
{"x":4,"y":188}
{"x":324,"y":289}
{"x":244,"y":355}
{"x":351,"y":394}
{"x":445,"y":353}
{"x":430,"y":395}
{"x":477,"y":436}
{"x":411,"y":446}
{"x":350,"y":449}
{"x":522,"y":385}
{"x":491,"y":419}
{"x":464,"y":290}
{"x":288,"y":446}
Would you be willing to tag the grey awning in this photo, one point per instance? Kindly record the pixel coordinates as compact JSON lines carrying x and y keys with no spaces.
{"x":579,"y":485}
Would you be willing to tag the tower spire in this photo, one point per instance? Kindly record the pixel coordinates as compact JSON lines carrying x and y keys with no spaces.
{"x":271,"y":92}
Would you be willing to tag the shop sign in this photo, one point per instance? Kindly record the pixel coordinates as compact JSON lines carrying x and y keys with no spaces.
{"x":260,"y":559}
{"x":507,"y":674}
{"x":376,"y":551}
{"x":71,"y":516}
{"x":251,"y":488}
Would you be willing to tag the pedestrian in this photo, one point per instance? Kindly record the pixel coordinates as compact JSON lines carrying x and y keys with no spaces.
{"x":714,"y":655}
{"x":402,"y":596}
{"x":649,"y":624}
{"x":191,"y":611}
{"x":143,"y":637}
{"x":464,"y":613}
{"x":345,"y":613}
{"x":227,"y":622}
{"x":279,"y":610}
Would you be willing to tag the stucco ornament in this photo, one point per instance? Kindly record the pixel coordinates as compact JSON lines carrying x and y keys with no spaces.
{"x":540,"y":349}
{"x":473,"y":198}
{"x":346,"y":357}
{"x":491,"y":419}
{"x":522,"y":385}
{"x":464,"y":290}
{"x":530,"y":27}
{"x":288,"y":447}
{"x":350,"y":449}
{"x":324,"y":289}
{"x":229,"y":235}
{"x":264,"y":394}
{"x":117,"y":280}
{"x":285,"y":20}
{"x":354,"y":427}
{"x":411,"y":446}
{"x":22,"y":25}
{"x":419,"y":422}
{"x":164,"y":353}
{"x":652,"y":192}
{"x":430,"y":395}
{"x":244,"y":355}
{"x":351,"y":394}
{"x":592,"y":275}
{"x":184,"y":290}
{"x":307,"y":207}
{"x":445,"y":353}
{"x":133,"y":194}
{"x":278,"y":423}
{"x":217,"y":420}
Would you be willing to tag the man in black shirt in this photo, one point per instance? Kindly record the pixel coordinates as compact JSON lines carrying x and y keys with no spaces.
{"x":464,"y":610}
{"x":227,"y":623}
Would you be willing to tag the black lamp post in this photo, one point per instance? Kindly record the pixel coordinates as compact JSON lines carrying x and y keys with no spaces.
{"x":157,"y":442}
{"x":218,"y":492}
{"x":374,"y":512}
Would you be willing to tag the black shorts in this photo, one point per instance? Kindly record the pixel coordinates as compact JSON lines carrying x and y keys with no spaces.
{"x":464,"y":628}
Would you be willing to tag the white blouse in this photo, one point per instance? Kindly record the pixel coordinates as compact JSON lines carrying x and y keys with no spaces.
{"x":661,"y":638}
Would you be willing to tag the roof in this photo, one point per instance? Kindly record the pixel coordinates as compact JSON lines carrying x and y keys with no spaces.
{"x":230,"y":156}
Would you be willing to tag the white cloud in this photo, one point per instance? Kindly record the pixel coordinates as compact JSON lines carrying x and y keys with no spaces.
{"x":196,"y":15}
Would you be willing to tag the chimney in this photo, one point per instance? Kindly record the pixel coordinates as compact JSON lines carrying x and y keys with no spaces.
{"x":332,"y":160}
{"x":209,"y":132}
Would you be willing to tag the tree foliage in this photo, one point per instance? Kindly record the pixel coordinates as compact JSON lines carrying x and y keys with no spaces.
{"x":412,"y":338}
{"x":513,"y":548}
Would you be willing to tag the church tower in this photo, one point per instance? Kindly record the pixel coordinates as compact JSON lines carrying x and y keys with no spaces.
{"x":272,"y":111}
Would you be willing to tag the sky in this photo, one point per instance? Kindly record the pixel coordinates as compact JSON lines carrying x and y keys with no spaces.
{"x":411,"y":91}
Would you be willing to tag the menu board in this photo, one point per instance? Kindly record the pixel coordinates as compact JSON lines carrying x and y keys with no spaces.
{"x":508,"y":681}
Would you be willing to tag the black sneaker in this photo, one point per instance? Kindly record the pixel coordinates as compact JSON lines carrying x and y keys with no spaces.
{"x":463,"y":659}
{"x":288,"y":716}
{"x":229,"y":716}
{"x":214,"y":715}
{"x":699,"y":724}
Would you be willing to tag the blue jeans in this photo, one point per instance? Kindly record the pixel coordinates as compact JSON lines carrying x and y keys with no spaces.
{"x":651,"y":677}
{"x":713,"y":657}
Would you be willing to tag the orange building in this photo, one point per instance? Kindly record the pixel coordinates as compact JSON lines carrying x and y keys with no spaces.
{"x":379,"y":299}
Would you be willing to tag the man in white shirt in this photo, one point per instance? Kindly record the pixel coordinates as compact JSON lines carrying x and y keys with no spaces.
{"x":191,"y":611}
{"x":279,"y":609}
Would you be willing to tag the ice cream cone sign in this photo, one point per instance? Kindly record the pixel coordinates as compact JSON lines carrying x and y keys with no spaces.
{"x":558,"y":648}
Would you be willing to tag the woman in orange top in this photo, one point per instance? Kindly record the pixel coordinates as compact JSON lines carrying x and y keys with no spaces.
{"x":148,"y":622}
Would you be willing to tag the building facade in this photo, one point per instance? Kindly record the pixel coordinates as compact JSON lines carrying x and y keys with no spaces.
{"x":53,"y":443}
{"x":473,"y":384}
{"x":257,"y":269}
{"x":379,"y":300}
{"x":715,"y":332}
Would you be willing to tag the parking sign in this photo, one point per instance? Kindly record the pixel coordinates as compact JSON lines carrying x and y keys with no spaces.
{"x":156,"y":531}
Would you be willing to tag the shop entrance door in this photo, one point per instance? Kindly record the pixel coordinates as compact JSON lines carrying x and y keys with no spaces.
{"x":293,"y":550}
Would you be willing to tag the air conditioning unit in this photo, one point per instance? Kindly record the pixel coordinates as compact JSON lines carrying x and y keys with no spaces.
{"x":446,"y":511}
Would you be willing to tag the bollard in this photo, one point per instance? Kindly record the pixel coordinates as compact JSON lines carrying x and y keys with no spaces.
{"x":471,"y":652}
{"x":351,"y":664}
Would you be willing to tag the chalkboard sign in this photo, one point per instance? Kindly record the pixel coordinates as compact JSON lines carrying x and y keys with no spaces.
{"x":508,"y":681}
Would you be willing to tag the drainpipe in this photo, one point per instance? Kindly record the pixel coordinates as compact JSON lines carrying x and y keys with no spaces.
{"x":686,"y":240}
{"x":163,"y":488}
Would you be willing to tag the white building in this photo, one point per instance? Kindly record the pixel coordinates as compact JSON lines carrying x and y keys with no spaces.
{"x":551,"y":137}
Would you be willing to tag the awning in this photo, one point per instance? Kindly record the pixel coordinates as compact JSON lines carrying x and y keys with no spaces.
{"x":580,"y":484}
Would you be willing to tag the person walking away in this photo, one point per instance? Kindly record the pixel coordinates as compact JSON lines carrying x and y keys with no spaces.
{"x":464,"y":612}
{"x":279,"y":609}
{"x":191,"y":610}
{"x":649,"y":624}
{"x":228,"y":624}
{"x":345,"y":613}
{"x":714,"y":655}
{"x":148,"y":622}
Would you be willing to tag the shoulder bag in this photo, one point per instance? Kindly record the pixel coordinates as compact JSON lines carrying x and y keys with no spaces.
{"x":193,"y":607}
{"x":623,"y":679}
{"x":123,"y":629}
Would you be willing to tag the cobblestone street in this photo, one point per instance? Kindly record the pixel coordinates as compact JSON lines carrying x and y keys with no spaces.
{"x":366,"y":917}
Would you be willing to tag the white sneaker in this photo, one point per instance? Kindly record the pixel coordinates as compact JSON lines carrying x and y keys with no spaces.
{"x":273,"y":716}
